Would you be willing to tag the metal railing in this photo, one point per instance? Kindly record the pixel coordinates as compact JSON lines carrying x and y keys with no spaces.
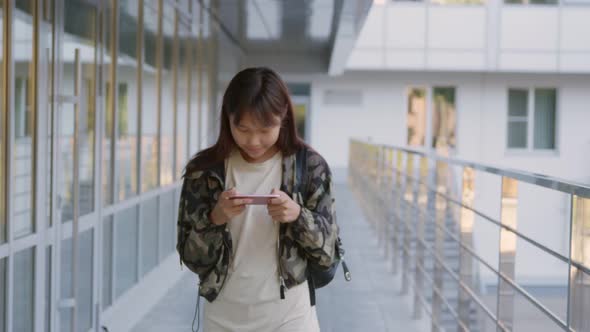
{"x":404,"y":191}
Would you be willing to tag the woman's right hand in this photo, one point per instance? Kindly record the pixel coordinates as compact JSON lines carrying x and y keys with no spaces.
{"x":226,"y":208}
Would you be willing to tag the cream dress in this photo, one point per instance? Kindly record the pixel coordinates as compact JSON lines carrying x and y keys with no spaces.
{"x":250,"y":298}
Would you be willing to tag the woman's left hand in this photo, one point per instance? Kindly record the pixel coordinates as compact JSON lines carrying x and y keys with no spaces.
{"x":283,"y":209}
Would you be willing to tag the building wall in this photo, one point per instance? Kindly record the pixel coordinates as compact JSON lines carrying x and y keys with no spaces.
{"x":481,"y":102}
{"x":486,"y":37}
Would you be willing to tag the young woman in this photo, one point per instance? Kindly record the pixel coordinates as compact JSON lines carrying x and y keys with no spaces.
{"x":252,"y":259}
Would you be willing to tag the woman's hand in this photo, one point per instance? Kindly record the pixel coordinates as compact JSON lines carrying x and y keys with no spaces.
{"x":283,"y":209}
{"x":226,"y":208}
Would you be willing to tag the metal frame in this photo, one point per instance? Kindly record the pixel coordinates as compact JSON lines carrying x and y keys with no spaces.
{"x":578,"y":283}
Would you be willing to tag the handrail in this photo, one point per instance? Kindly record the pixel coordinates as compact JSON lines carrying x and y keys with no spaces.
{"x":499,"y":224}
{"x":373,"y":170}
{"x":566,"y":186}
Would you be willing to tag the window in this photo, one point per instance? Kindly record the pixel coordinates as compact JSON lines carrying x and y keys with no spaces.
{"x":416,"y":116}
{"x":444,"y":117}
{"x":432,"y":117}
{"x":532,"y":122}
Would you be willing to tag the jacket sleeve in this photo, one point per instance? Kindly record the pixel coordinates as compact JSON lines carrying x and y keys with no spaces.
{"x":316,"y":229}
{"x":200,"y":242}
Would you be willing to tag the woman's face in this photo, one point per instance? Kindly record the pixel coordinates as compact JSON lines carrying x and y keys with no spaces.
{"x":256,"y":141}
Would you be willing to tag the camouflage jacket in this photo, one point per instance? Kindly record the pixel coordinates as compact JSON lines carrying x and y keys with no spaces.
{"x":206,"y":248}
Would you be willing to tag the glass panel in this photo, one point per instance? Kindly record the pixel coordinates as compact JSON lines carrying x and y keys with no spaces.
{"x":126,"y":250}
{"x":263,"y":21}
{"x":167,"y":224}
{"x":107,"y":143}
{"x":45,"y":97}
{"x":84,"y":280}
{"x":65,"y":319}
{"x":23,"y":119}
{"x":48,"y":279}
{"x":517,"y":134}
{"x":127,"y":103}
{"x":444,"y":118}
{"x":166,"y":174}
{"x":80,"y":20}
{"x":545,"y":106}
{"x":182,"y":120}
{"x":196,"y":86}
{"x":149,"y":106}
{"x":416,"y":116}
{"x":3,"y":236}
{"x":517,"y":102}
{"x":3,"y":294}
{"x":107,"y":261}
{"x":24,"y":296}
{"x":66,"y":291}
{"x":66,"y":162}
{"x":149,"y":246}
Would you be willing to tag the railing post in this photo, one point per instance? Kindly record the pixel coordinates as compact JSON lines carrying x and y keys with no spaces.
{"x":378,"y":198}
{"x":409,"y":200}
{"x":441,"y":217}
{"x":508,"y":217}
{"x":579,"y":281}
{"x":388,"y":199}
{"x":466,"y":220}
{"x":420,"y":250}
{"x":397,"y":222}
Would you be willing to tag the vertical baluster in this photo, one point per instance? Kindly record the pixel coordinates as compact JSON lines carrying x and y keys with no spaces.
{"x":441,"y":216}
{"x":579,"y":281}
{"x":466,"y":220}
{"x":397,"y":212}
{"x":420,"y":250}
{"x":387,"y":200}
{"x":409,"y":199}
{"x":507,"y":251}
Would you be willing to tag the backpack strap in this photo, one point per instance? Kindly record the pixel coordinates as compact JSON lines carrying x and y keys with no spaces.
{"x":300,"y":169}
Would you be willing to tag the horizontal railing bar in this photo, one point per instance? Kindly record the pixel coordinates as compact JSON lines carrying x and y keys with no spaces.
{"x":461,"y":283}
{"x":426,"y":306}
{"x":515,"y":286}
{"x":442,"y":297}
{"x":536,"y":303}
{"x":499,"y":224}
{"x":546,"y":181}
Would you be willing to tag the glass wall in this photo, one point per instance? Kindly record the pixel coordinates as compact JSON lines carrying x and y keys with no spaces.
{"x":122,"y":99}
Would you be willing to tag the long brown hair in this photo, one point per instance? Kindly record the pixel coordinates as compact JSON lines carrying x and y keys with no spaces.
{"x":259,"y":90}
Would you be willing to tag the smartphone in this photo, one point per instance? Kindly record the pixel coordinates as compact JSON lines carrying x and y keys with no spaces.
{"x":256,"y":199}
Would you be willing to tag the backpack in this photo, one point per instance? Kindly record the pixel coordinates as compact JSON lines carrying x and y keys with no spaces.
{"x":317,"y":276}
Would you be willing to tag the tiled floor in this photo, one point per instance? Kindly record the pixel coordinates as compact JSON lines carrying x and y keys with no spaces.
{"x":370,"y":302}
